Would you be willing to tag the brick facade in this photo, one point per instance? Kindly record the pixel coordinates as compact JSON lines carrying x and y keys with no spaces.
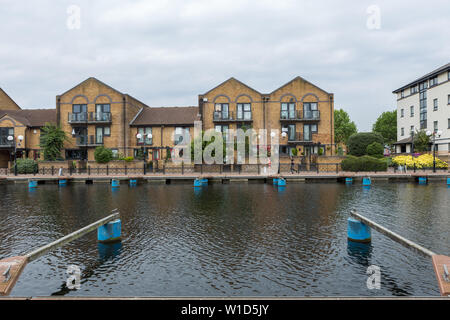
{"x":93,"y":114}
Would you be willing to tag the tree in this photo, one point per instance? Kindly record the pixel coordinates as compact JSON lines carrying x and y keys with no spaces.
{"x":343,"y":127}
{"x":386,"y":125}
{"x":358,"y":143}
{"x":375,"y":149}
{"x":421,"y":141}
{"x":52,"y":141}
{"x":103,"y":155}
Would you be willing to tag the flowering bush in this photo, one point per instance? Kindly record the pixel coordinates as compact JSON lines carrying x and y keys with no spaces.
{"x":423,"y":161}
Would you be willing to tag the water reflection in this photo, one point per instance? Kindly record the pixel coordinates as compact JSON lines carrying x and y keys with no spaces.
{"x":359,"y":253}
{"x":236,"y":239}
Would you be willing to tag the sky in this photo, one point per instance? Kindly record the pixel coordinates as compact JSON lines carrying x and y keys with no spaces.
{"x":166,"y":52}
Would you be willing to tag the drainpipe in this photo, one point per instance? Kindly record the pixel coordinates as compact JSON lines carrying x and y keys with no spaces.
{"x":124,"y":115}
{"x":331,"y":124}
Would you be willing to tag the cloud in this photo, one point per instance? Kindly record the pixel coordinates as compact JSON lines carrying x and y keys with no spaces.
{"x":167,"y":52}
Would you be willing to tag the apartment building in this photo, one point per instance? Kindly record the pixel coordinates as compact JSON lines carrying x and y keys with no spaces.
{"x":94,"y":114}
{"x":424,"y":104}
{"x":301,"y":111}
{"x":158,"y":130}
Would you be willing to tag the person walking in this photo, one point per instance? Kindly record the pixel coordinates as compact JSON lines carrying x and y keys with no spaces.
{"x":292,"y":165}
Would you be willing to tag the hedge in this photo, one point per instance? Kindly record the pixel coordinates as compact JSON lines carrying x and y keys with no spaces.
{"x":365,"y":163}
{"x":103,"y":155}
{"x":358,"y":142}
{"x":26,"y":166}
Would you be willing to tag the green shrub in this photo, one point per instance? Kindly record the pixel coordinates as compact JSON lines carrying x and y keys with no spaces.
{"x":128,"y":159}
{"x":375,"y":149}
{"x":320,"y":151}
{"x":26,"y":166}
{"x":294,"y":152}
{"x":364,"y":163}
{"x":103,"y":155}
{"x":358,"y":142}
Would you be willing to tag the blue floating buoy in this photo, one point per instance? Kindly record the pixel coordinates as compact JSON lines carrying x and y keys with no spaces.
{"x":423,"y":180}
{"x":115,"y":183}
{"x":348,"y":180}
{"x":281,"y":182}
{"x":133,"y":182}
{"x":32,"y":184}
{"x":62,"y":182}
{"x":275,"y":181}
{"x":448,"y":181}
{"x":110,"y":232}
{"x":367,"y":181}
{"x":204,"y":181}
{"x":358,"y":231}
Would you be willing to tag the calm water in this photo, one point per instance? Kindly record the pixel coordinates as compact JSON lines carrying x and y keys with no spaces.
{"x":238,"y":239}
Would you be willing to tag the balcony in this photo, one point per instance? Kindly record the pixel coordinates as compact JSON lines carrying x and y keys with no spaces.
{"x":297,"y":137}
{"x":92,"y":117}
{"x":89,"y":141}
{"x":81,"y":117}
{"x":100,"y":117}
{"x":5,"y":143}
{"x":297,"y":115}
{"x":144,"y":142}
{"x":231,"y":117}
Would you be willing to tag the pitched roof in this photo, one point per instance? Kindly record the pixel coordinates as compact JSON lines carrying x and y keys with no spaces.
{"x":403,"y":141}
{"x":104,"y":84}
{"x":432,"y":74}
{"x":31,"y":117}
{"x":232,"y":79}
{"x":166,"y":116}
{"x":302,"y":79}
{"x":3,"y":93}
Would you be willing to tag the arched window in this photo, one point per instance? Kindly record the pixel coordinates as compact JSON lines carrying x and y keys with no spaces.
{"x":288,"y":109}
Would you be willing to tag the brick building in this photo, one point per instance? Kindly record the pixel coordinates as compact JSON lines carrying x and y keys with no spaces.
{"x":301,"y":111}
{"x":94,"y":114}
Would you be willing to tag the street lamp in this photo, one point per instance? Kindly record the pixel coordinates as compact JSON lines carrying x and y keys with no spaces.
{"x":434,"y":134}
{"x":11,"y":138}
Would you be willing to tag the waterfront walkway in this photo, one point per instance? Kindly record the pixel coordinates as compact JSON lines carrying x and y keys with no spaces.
{"x":235,"y":177}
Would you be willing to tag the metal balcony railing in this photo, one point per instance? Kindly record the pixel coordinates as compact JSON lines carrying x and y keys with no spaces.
{"x":298,"y":115}
{"x":298,"y":136}
{"x":100,"y":116}
{"x":4,"y":142}
{"x":231,"y":116}
{"x":144,"y":142}
{"x":87,"y":141}
{"x":77,"y":117}
{"x":311,"y":114}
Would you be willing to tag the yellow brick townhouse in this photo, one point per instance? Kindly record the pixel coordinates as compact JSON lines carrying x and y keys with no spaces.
{"x":94,"y":114}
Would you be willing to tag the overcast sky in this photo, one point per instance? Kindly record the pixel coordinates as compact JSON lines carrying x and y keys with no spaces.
{"x":165,"y":53}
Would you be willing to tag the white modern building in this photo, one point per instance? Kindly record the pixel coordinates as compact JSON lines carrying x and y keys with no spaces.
{"x":424,"y":104}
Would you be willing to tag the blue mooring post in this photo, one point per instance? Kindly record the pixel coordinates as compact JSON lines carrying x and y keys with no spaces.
{"x":62,"y":182}
{"x":200,"y":182}
{"x":115,"y":183}
{"x":348,"y":180}
{"x":423,"y":180}
{"x":358,"y":231}
{"x":32,"y":184}
{"x":110,"y":232}
{"x":367,"y":181}
{"x":133,"y":182}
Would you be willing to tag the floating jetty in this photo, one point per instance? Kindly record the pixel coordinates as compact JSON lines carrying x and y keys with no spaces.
{"x":109,"y":229}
